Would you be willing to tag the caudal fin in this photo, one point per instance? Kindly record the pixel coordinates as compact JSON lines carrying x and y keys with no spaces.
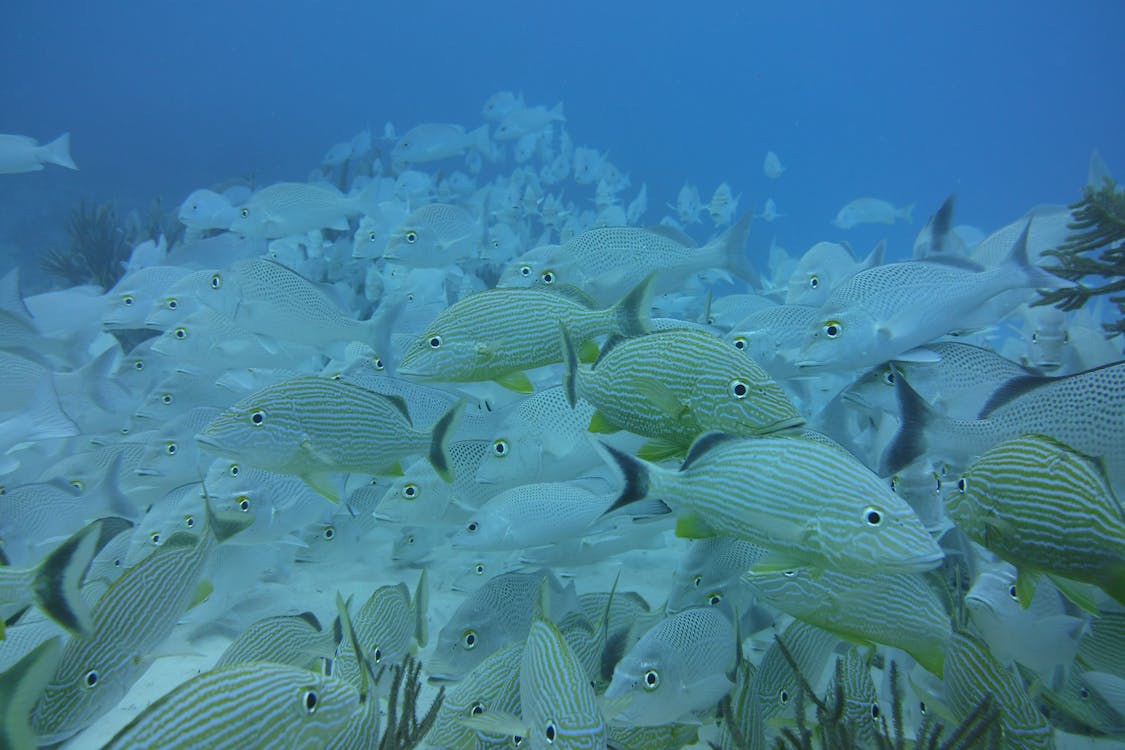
{"x":570,"y":367}
{"x":910,"y":441}
{"x":635,"y":473}
{"x":732,"y":245}
{"x":58,"y":152}
{"x":439,"y":442}
{"x":632,"y":312}
{"x":1034,"y":276}
{"x":20,"y":688}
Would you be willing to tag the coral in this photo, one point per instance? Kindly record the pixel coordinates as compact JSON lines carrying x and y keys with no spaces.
{"x":98,"y":247}
{"x":404,"y":730}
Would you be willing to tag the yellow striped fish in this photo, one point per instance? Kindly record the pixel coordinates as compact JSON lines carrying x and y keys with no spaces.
{"x":492,"y":687}
{"x":313,"y":427}
{"x":496,"y":334}
{"x":675,"y":385}
{"x":1044,"y":507}
{"x":811,"y":503}
{"x":297,"y":640}
{"x":386,"y":626}
{"x":244,"y":706}
{"x":903,"y":611}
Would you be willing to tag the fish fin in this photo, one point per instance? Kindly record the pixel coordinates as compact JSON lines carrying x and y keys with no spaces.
{"x":658,"y":449}
{"x":588,"y":352}
{"x":497,"y":722}
{"x":421,"y":603}
{"x":223,"y":525}
{"x":1002,"y":526}
{"x":570,"y":366}
{"x":875,"y":257}
{"x":613,"y":707}
{"x":393,"y":469}
{"x":323,"y":482}
{"x":1034,"y":276}
{"x":776,"y":562}
{"x":600,"y":425}
{"x":203,"y":591}
{"x":692,"y":526}
{"x":58,"y":152}
{"x":1026,"y":583}
{"x":663,"y":398}
{"x":703,"y":445}
{"x":633,"y":311}
{"x":910,"y":441}
{"x":732,"y":244}
{"x":635,"y":473}
{"x":607,"y":346}
{"x":1081,"y":594}
{"x":516,"y":381}
{"x":918,"y":354}
{"x":20,"y":688}
{"x":439,"y":441}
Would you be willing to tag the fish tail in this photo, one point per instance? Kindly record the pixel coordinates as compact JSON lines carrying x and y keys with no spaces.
{"x":58,"y":152}
{"x":906,"y":213}
{"x":1034,"y":276}
{"x":20,"y":688}
{"x":732,"y":246}
{"x":570,"y":367}
{"x":636,"y":475}
{"x":439,"y":442}
{"x":632,"y":312}
{"x":910,"y":440}
{"x":478,"y":139}
{"x":58,"y":581}
{"x":421,"y":603}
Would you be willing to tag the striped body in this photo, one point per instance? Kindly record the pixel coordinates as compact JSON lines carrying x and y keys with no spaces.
{"x":712,"y":567}
{"x":492,"y":687}
{"x":386,"y":626}
{"x":251,"y":705}
{"x":971,"y":674}
{"x":136,"y":613}
{"x":677,"y":384}
{"x":497,"y":332}
{"x":289,"y":639}
{"x":287,"y":208}
{"x":678,"y":667}
{"x":310,"y":425}
{"x":557,"y":701}
{"x":901,"y":611}
{"x":861,"y":700}
{"x":809,"y":502}
{"x":1040,"y":505}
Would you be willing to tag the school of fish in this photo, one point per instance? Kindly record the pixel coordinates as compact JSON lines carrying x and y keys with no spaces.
{"x":464,"y":394}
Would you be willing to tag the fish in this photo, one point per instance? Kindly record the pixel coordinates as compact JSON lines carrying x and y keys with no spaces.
{"x":688,"y":205}
{"x":769,"y":212}
{"x":1092,"y":700}
{"x":388,"y":625}
{"x":531,"y":515}
{"x":433,"y":142}
{"x":20,"y":153}
{"x":677,"y":668}
{"x":131,"y":298}
{"x":492,"y":686}
{"x":296,"y":640}
{"x":521,"y":121}
{"x":20,"y":687}
{"x":871,"y":211}
{"x":723,"y":205}
{"x":435,"y":235}
{"x":712,"y":568}
{"x":1015,"y":498}
{"x":204,"y":210}
{"x":312,"y":427}
{"x":884,"y":312}
{"x":822,"y":268}
{"x":673,"y":386}
{"x":496,"y":334}
{"x":496,"y":614}
{"x":772,"y":166}
{"x":500,"y":105}
{"x":862,"y":712}
{"x":903,"y":611}
{"x":810,"y":502}
{"x":248,"y":705}
{"x":287,"y":208}
{"x":772,"y":336}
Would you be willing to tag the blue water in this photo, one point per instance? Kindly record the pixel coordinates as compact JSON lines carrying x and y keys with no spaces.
{"x":1001,"y":102}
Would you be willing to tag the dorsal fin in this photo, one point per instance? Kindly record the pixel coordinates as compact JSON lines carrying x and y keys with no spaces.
{"x":607,"y":347}
{"x":573,"y":293}
{"x":1012,"y":389}
{"x":704,"y":444}
{"x":310,"y":618}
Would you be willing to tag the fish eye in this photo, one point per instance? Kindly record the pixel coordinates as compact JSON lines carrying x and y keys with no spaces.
{"x":189,"y":521}
{"x":922,"y":707}
{"x":874,"y":710}
{"x":310,"y":701}
{"x":469,"y":640}
{"x":410,"y":491}
{"x":652,"y":680}
{"x":378,"y":655}
{"x":180,"y":333}
{"x":155,"y":538}
{"x":379,"y":364}
{"x":411,"y":236}
{"x":410,"y":539}
{"x":1035,"y":337}
{"x":370,"y":236}
{"x":410,"y":297}
{"x":894,"y":483}
{"x":525,"y":270}
{"x":500,"y":448}
{"x":783,"y":696}
{"x":740,"y":342}
{"x":872,"y":516}
{"x":814,"y":282}
{"x":477,"y":709}
{"x":233,"y":470}
{"x":1083,"y":693}
{"x":479,"y":569}
{"x":167,"y":399}
{"x":216,"y":281}
{"x":697,"y":581}
{"x":170,"y":449}
{"x":258,"y":417}
{"x":173,"y":304}
{"x":738,"y":389}
{"x":547,"y":277}
{"x":516,"y":740}
{"x":128,"y":300}
{"x":90,"y":679}
{"x":435,"y":342}
{"x":549,"y":732}
{"x":889,"y":376}
{"x":329,"y":533}
{"x":963,"y":485}
{"x":77,"y":484}
{"x":472,"y":527}
{"x":789,"y":573}
{"x":139,"y":365}
{"x":833,"y":328}
{"x":243,"y":503}
{"x":1066,"y":337}
{"x":244,"y":213}
{"x":714,"y":599}
{"x":1013,"y":592}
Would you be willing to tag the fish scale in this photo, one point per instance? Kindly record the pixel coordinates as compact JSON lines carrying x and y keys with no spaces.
{"x":254,"y":705}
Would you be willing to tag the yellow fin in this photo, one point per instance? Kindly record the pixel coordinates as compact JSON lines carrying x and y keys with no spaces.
{"x":658,"y":449}
{"x":393,"y":469}
{"x":1026,"y":581}
{"x":202,"y":593}
{"x":1081,"y":594}
{"x":692,"y":526}
{"x":516,"y":381}
{"x":601,"y":426}
{"x":588,"y":352}
{"x":322,"y":482}
{"x":663,"y":398}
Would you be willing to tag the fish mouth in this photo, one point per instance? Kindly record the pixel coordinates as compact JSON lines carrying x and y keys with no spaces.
{"x":808,"y":364}
{"x":207,"y":441}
